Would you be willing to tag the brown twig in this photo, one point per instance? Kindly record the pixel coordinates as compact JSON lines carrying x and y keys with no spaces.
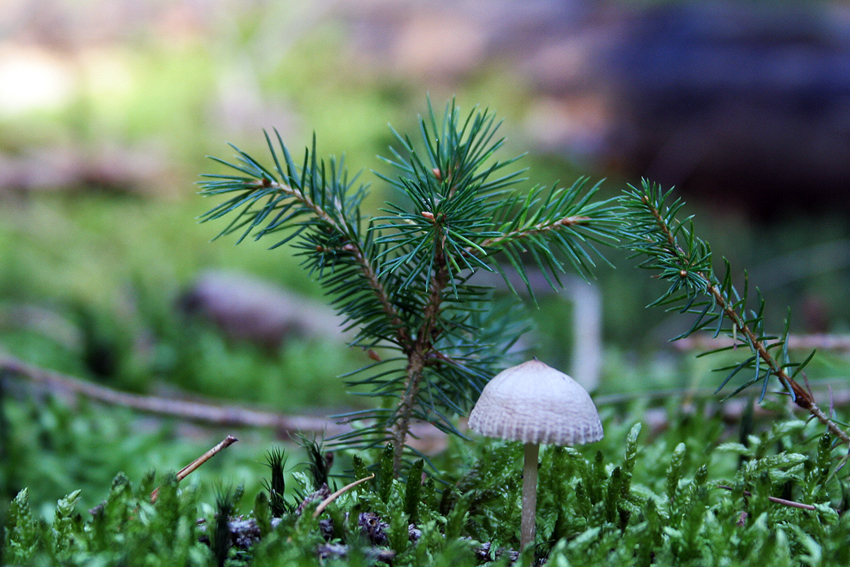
{"x":326,"y":502}
{"x":427,"y":438}
{"x":232,"y":416}
{"x":774,"y":499}
{"x":838,"y":343}
{"x":422,"y":347}
{"x":354,"y":248}
{"x":191,"y":467}
{"x":536,"y":229}
{"x":801,"y":397}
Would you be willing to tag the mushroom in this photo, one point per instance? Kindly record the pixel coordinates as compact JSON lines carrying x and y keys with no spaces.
{"x":534,"y":403}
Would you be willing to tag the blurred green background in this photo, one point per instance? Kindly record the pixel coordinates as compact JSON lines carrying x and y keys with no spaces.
{"x":107,"y":111}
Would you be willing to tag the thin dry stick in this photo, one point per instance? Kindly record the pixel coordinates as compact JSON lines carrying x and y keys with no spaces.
{"x":326,"y":502}
{"x":188,"y":469}
{"x":234,"y":416}
{"x":706,"y":341}
{"x":426,"y":435}
{"x":220,"y":415}
{"x":774,"y":499}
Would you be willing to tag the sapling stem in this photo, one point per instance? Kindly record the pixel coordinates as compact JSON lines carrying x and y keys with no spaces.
{"x":529,"y":494}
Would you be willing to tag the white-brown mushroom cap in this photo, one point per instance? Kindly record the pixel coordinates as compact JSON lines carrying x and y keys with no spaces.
{"x":534,"y":403}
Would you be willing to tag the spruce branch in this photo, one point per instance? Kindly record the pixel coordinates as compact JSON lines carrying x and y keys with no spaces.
{"x":401,"y":279}
{"x":672,"y":249}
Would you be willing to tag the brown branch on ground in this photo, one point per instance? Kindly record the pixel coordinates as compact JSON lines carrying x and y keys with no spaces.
{"x":704,"y":341}
{"x":232,"y":416}
{"x":427,"y":438}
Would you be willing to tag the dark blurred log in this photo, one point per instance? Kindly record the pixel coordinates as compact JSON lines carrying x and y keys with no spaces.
{"x":743,"y":103}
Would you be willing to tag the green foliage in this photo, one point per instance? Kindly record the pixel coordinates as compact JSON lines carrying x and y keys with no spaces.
{"x":225,"y":505}
{"x":124,"y":529}
{"x":679,"y":498}
{"x":402,"y":280}
{"x":53,"y":448}
{"x":318,"y":462}
{"x":386,"y":476}
{"x":359,"y":467}
{"x":22,"y":531}
{"x":607,"y":505}
{"x":276,"y":483}
{"x":413,"y":491}
{"x":674,"y":472}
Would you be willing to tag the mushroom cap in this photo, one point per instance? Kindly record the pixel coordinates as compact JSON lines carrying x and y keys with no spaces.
{"x":534,"y":403}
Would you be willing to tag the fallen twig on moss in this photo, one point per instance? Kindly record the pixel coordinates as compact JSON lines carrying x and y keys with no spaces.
{"x":193,"y":411}
{"x":774,"y":499}
{"x":707,"y":341}
{"x":324,"y":504}
{"x":428,"y":439}
{"x":191,"y":467}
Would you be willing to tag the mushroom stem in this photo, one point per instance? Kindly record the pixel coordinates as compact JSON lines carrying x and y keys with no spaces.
{"x":529,"y":494}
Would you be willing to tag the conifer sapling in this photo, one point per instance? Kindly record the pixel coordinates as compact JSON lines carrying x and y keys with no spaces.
{"x":402,"y":279}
